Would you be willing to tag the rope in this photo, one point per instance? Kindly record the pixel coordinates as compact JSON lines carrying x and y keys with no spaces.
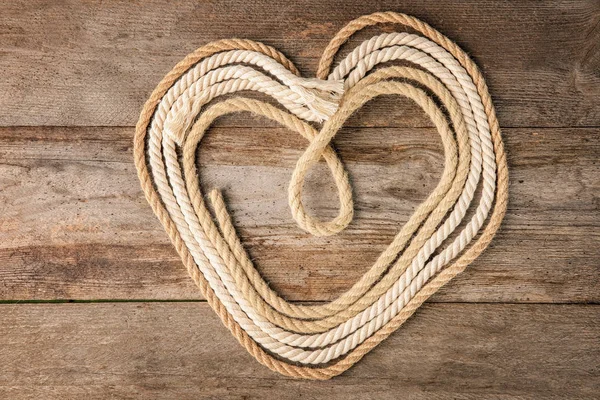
{"x":322,"y":341}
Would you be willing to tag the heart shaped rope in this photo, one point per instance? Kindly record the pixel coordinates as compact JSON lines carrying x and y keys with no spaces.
{"x":321,"y":341}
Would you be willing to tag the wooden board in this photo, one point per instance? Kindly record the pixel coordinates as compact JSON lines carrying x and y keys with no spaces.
{"x":78,"y":226}
{"x":521,"y":323}
{"x":87,"y":63}
{"x":181,"y":351}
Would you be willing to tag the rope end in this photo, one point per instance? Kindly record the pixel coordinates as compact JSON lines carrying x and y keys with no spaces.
{"x":320,"y":96}
{"x":176,"y":127}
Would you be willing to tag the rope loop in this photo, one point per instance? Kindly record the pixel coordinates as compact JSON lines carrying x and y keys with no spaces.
{"x":437,"y":242}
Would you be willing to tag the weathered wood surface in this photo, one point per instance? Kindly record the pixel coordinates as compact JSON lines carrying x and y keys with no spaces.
{"x":181,"y":351}
{"x":74,"y":223}
{"x":77,"y":226}
{"x":91,"y":63}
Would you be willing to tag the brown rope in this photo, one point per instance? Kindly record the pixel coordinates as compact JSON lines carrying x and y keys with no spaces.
{"x":340,"y":365}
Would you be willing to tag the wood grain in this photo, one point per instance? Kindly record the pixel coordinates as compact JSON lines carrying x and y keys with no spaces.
{"x":181,"y":351}
{"x":76,"y":225}
{"x":93,"y":63}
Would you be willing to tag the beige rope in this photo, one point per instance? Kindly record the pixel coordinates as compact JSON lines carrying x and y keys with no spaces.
{"x":189,"y":165}
{"x":188,"y":212}
{"x":334,"y":335}
{"x":180,"y":184}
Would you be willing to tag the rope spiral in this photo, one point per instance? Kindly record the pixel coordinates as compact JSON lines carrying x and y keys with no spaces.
{"x":322,"y":341}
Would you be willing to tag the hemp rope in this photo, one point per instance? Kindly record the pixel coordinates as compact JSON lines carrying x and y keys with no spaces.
{"x":319,"y":342}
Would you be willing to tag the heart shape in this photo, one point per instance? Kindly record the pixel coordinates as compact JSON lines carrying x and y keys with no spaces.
{"x":322,"y":341}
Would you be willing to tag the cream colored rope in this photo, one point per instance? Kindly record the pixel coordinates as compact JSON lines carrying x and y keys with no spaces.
{"x":329,"y":337}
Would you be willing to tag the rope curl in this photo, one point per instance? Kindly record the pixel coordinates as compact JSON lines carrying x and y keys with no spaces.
{"x":318,"y":342}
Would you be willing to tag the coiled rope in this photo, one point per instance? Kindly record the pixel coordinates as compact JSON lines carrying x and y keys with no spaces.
{"x":322,"y":341}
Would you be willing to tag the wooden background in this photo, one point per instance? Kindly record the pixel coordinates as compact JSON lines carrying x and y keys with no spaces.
{"x":95,"y":303}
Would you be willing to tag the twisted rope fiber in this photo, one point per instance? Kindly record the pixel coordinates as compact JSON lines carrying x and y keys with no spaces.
{"x":211,"y":92}
{"x":232,"y":252}
{"x":192,"y":183}
{"x":388,"y":303}
{"x":190,"y":165}
{"x":175,"y":178}
{"x":172,"y":157}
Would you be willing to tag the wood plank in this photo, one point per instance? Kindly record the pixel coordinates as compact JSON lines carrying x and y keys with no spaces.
{"x":75,"y":224}
{"x":181,"y":350}
{"x":94,"y":63}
